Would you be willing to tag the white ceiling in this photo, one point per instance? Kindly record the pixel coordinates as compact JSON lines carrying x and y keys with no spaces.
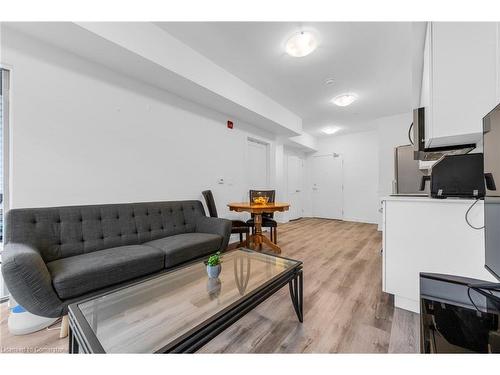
{"x":372,"y":59}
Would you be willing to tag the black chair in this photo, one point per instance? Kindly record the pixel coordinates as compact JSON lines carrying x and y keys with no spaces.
{"x":238,"y":226}
{"x":267,"y":218}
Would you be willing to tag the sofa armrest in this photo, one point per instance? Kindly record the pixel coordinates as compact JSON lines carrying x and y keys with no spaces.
{"x":214,"y":225}
{"x":29,"y":280}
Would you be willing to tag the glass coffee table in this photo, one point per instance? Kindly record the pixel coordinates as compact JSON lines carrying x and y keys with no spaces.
{"x":181,"y":309}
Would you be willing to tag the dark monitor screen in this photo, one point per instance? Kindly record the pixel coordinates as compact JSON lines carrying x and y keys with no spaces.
{"x":492,"y":235}
{"x":491,"y":145}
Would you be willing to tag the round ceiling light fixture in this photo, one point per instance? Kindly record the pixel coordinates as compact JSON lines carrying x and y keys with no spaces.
{"x":329,"y":81}
{"x":330,"y":130}
{"x":301,"y":44}
{"x":344,"y":100}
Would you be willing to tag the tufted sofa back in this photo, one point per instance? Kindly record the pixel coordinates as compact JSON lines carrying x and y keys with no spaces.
{"x":61,"y":232}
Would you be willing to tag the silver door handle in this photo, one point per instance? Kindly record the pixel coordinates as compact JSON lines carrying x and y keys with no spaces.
{"x":297,"y":191}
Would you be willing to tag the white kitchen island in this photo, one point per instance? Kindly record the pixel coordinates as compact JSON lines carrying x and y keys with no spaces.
{"x":422,"y":234}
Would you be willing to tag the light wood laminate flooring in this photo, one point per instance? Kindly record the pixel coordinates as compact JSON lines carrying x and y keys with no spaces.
{"x":345,"y":310}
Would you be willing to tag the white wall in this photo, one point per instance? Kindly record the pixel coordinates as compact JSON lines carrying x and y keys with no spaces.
{"x":82,"y":134}
{"x":392,"y":132}
{"x":368,"y":165}
{"x":305,"y":140}
{"x":360,"y":154}
{"x":143,"y":39}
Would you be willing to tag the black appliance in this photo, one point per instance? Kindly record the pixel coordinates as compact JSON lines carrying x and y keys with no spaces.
{"x":460,"y":176}
{"x":432,"y":153}
{"x":458,"y":317}
{"x":491,"y":147}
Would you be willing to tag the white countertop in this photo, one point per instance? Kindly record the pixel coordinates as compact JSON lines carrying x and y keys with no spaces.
{"x":402,"y":198}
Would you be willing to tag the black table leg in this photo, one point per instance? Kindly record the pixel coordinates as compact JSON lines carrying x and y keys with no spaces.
{"x":70,"y":340}
{"x":73,"y":343}
{"x":296,"y":293}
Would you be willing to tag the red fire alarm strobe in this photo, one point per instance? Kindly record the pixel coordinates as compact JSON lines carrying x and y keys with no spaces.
{"x":229,"y":124}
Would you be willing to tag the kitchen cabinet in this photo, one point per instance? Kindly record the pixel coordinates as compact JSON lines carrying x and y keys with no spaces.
{"x":460,"y":80}
{"x":422,"y":234}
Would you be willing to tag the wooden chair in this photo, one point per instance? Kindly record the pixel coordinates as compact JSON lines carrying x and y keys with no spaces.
{"x":238,"y":226}
{"x":267,"y":218}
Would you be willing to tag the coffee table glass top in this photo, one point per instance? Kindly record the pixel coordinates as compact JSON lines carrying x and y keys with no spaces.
{"x":147,"y":316}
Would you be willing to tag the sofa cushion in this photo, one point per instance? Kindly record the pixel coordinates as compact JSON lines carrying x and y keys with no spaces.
{"x":183,"y":247}
{"x":80,"y":274}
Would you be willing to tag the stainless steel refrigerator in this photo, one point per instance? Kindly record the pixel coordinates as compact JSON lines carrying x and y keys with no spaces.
{"x":407,"y":174}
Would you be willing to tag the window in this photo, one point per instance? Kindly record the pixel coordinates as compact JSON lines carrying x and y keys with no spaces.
{"x":4,"y":110}
{"x":4,"y":121}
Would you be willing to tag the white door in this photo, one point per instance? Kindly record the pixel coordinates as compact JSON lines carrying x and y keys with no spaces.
{"x":295,"y":167}
{"x":327,"y":189}
{"x":258,"y":165}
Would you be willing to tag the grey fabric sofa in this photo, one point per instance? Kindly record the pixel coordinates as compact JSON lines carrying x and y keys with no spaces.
{"x":56,"y":256}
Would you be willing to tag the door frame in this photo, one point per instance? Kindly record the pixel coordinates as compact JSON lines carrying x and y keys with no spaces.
{"x":268,"y":158}
{"x":302,"y":177}
{"x":333,"y":155}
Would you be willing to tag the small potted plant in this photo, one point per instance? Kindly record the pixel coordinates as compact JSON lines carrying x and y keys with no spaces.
{"x":214,"y":265}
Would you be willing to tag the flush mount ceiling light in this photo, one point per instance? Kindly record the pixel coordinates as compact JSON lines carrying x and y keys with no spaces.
{"x":329,"y":81}
{"x":301,"y":44}
{"x":330,"y":130}
{"x":344,"y":99}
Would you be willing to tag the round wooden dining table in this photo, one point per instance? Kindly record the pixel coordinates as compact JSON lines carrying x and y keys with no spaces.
{"x":257,"y":239}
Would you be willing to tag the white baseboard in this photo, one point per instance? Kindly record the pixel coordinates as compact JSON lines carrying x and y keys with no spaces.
{"x":353,"y":219}
{"x":407,"y":304}
{"x":358,"y":220}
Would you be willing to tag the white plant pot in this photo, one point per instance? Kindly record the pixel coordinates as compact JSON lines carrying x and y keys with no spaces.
{"x":213,"y":271}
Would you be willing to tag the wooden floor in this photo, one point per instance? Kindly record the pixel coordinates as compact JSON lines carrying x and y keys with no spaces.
{"x":345,"y":310}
